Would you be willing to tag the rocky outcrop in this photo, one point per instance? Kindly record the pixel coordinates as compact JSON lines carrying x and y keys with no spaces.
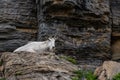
{"x":82,"y":26}
{"x":33,"y":66}
{"x":108,"y":70}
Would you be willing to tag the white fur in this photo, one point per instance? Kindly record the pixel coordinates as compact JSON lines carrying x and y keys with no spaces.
{"x":38,"y":47}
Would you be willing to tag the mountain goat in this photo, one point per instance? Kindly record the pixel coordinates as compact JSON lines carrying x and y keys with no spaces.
{"x":38,"y":47}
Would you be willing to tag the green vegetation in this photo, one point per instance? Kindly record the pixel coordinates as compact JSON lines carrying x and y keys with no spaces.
{"x":117,"y":77}
{"x":70,"y":59}
{"x":90,"y":76}
{"x":2,"y":79}
{"x":84,"y":74}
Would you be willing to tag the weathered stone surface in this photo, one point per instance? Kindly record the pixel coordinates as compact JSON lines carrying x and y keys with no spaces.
{"x":115,"y":11}
{"x":116,"y":50}
{"x":82,"y":26}
{"x":15,"y":18}
{"x":33,"y":66}
{"x":19,"y":13}
{"x":108,"y":70}
{"x":115,"y":15}
{"x":10,"y":38}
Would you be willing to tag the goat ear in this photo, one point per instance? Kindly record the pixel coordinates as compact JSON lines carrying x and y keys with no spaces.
{"x":49,"y":38}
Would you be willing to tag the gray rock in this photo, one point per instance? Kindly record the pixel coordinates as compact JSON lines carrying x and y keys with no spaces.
{"x":19,"y":13}
{"x":115,"y":22}
{"x":115,"y":14}
{"x":11,"y":38}
{"x":15,"y":15}
{"x":82,"y":26}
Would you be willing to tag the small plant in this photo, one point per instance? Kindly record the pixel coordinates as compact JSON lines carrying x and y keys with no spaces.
{"x":89,"y":76}
{"x":117,"y":77}
{"x":80,"y":74}
{"x":70,"y":59}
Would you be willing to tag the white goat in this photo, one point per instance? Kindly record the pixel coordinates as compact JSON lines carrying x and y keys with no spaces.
{"x":38,"y":47}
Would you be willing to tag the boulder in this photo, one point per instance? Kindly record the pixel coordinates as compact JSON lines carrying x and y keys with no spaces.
{"x":33,"y":66}
{"x":108,"y":70}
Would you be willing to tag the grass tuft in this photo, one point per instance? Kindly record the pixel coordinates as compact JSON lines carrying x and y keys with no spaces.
{"x":70,"y":59}
{"x":80,"y":74}
{"x":117,"y":77}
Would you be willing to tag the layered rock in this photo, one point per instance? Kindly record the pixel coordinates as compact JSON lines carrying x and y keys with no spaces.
{"x":115,"y":7}
{"x":115,"y":15}
{"x":33,"y":66}
{"x":11,"y":38}
{"x":19,"y":13}
{"x":17,"y":23}
{"x":82,"y":26}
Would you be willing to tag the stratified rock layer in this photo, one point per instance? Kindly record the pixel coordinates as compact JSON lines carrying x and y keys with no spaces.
{"x":17,"y":20}
{"x":82,"y":26}
{"x":115,"y":11}
{"x":11,"y":38}
{"x":20,"y":13}
{"x":115,"y":15}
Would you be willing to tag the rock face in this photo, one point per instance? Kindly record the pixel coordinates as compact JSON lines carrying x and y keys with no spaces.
{"x":115,"y":7}
{"x":19,"y":13}
{"x":17,"y":20}
{"x":31,"y":66}
{"x":115,"y":14}
{"x":82,"y":26}
{"x":116,"y":50}
{"x":11,"y":38}
{"x":108,"y":70}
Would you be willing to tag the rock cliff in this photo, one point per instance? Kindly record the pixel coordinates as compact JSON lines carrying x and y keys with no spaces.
{"x":83,"y":27}
{"x":18,"y":23}
{"x":115,"y":16}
